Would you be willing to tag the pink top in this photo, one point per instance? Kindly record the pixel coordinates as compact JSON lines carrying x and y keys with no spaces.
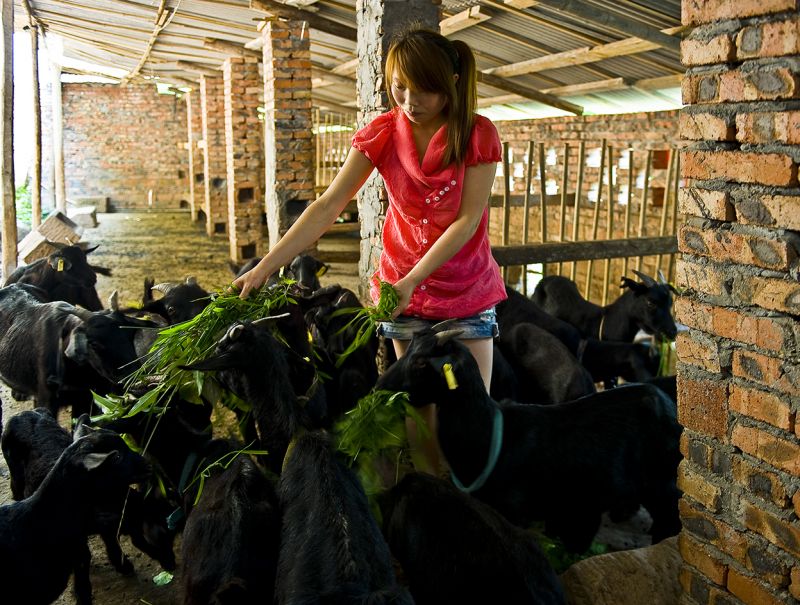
{"x":423,"y":201}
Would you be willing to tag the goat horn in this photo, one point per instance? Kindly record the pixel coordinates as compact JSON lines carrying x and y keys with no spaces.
{"x":443,"y":325}
{"x":56,"y":245}
{"x":648,"y":281}
{"x":84,"y":314}
{"x":661,"y":278}
{"x":264,"y":320}
{"x":447,"y":335}
{"x":113,"y":301}
{"x":165,"y":288}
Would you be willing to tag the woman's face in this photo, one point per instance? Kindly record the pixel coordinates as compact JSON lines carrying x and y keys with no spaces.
{"x":423,"y":108}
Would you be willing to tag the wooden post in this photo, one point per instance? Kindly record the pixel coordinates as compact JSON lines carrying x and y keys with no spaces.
{"x":526,"y":211}
{"x":629,"y":199}
{"x":190,"y":146}
{"x":543,"y":200}
{"x":506,"y":201}
{"x":563,"y":209}
{"x":675,"y":186}
{"x":610,"y":224}
{"x":7,"y":128}
{"x":643,"y":204}
{"x":36,"y":180}
{"x":58,"y":140}
{"x":665,"y":206}
{"x":595,"y":219}
{"x":576,"y":218}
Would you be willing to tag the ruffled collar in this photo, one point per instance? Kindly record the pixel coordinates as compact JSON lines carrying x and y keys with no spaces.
{"x":407,"y":150}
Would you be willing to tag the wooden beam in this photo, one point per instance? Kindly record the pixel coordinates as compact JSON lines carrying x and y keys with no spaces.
{"x":161,"y":21}
{"x":7,"y":189}
{"x":36,"y":177}
{"x":314,"y":20}
{"x":588,"y":88}
{"x":230,"y":48}
{"x":198,"y":69}
{"x":332,"y":78}
{"x":463,"y":20}
{"x":346,"y":68}
{"x":529,"y":93}
{"x":607,"y":19}
{"x":672,"y":81}
{"x":520,"y":4}
{"x":576,"y":251}
{"x":576,"y":56}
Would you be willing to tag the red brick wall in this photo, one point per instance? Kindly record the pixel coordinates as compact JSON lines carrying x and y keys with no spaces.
{"x":738,"y":375}
{"x":122,"y":141}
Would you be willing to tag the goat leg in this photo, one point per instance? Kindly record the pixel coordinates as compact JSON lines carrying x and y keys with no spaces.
{"x":82,"y":584}
{"x":116,"y":557}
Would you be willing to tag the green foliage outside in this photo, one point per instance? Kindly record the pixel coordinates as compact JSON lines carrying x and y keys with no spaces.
{"x":23,"y":203}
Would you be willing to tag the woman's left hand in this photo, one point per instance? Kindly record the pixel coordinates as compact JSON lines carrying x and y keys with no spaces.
{"x":404,"y":288}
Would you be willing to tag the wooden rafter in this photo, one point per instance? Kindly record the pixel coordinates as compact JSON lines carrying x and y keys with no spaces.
{"x":161,"y":21}
{"x":329,"y":26}
{"x":529,"y":93}
{"x":198,"y":69}
{"x":576,"y":56}
{"x":466,"y":18}
{"x":230,"y":48}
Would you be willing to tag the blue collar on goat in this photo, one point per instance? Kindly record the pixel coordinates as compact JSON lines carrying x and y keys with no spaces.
{"x":494,"y":454}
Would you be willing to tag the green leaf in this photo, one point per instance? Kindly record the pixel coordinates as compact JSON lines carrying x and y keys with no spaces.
{"x":163,"y":578}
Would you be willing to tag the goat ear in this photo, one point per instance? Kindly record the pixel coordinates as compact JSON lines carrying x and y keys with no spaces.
{"x":90,"y":250}
{"x":101,"y":270}
{"x":59,"y":263}
{"x":95,"y":460}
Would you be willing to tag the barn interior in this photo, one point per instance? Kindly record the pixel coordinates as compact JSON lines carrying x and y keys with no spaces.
{"x":657,"y":136}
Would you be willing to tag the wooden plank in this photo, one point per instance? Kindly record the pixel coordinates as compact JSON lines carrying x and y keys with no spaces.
{"x":315,"y":21}
{"x":609,"y":224}
{"x":587,"y":88}
{"x":577,"y":251}
{"x":346,"y":68}
{"x":328,"y":77}
{"x":466,"y":18}
{"x":628,"y":199}
{"x":230,"y":48}
{"x":7,"y":191}
{"x":596,"y":217}
{"x":58,"y":138}
{"x":36,"y":177}
{"x":576,"y":212}
{"x":198,"y":69}
{"x":562,"y":210}
{"x":609,"y":20}
{"x":529,"y":93}
{"x":576,"y":56}
{"x":643,"y":203}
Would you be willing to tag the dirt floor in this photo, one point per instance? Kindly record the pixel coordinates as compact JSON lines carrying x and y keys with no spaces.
{"x":168,"y":247}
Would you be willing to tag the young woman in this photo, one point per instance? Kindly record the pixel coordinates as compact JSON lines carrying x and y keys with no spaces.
{"x":438,"y":161}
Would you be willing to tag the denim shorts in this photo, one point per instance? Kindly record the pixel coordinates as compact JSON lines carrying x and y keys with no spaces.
{"x":482,"y":325}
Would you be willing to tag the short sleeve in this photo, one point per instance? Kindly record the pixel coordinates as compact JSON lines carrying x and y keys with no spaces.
{"x":484,"y":144}
{"x":373,"y":139}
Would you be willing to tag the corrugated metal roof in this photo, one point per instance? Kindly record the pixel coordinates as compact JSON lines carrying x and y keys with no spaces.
{"x":115,"y":35}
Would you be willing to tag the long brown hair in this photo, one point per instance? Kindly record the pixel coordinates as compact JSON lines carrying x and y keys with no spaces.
{"x":426,"y":61}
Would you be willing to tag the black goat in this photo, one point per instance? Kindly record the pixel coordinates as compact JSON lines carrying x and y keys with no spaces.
{"x":455,"y":549}
{"x":304,"y":269}
{"x":33,"y":440}
{"x":354,"y":377}
{"x":43,"y":538}
{"x":517,"y":309}
{"x":565,"y":463}
{"x":231,"y":539}
{"x":644,"y":306}
{"x":608,"y":360}
{"x":332,"y":550}
{"x":181,"y":301}
{"x":251,"y":363}
{"x":64,"y":275}
{"x":545,"y":370}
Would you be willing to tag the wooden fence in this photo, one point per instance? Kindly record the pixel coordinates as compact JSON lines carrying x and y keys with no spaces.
{"x":589,"y":211}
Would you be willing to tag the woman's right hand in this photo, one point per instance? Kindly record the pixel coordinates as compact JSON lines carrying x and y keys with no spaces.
{"x":252,"y":280}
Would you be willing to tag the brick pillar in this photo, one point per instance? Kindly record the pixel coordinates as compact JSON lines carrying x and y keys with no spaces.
{"x":195,"y":154}
{"x":215,"y":171}
{"x":738,"y":375}
{"x":378,"y":21}
{"x":288,"y":141}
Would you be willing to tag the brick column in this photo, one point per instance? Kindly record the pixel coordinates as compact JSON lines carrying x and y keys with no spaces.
{"x":195,"y":153}
{"x":378,"y":21}
{"x":215,"y":171}
{"x":738,"y":375}
{"x":288,"y":141}
{"x":244,"y":157}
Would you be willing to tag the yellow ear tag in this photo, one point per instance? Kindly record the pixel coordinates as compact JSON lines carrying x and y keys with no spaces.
{"x":322,"y":270}
{"x":452,"y":383}
{"x":60,"y":265}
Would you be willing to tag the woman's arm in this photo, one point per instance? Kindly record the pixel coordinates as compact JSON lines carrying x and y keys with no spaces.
{"x":478,"y":182}
{"x":315,"y":220}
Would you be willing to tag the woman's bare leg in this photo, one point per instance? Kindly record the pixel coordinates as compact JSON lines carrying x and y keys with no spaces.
{"x":425,"y":452}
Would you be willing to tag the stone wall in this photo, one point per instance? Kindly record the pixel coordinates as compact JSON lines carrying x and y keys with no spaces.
{"x":738,"y":376}
{"x":123,"y":142}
